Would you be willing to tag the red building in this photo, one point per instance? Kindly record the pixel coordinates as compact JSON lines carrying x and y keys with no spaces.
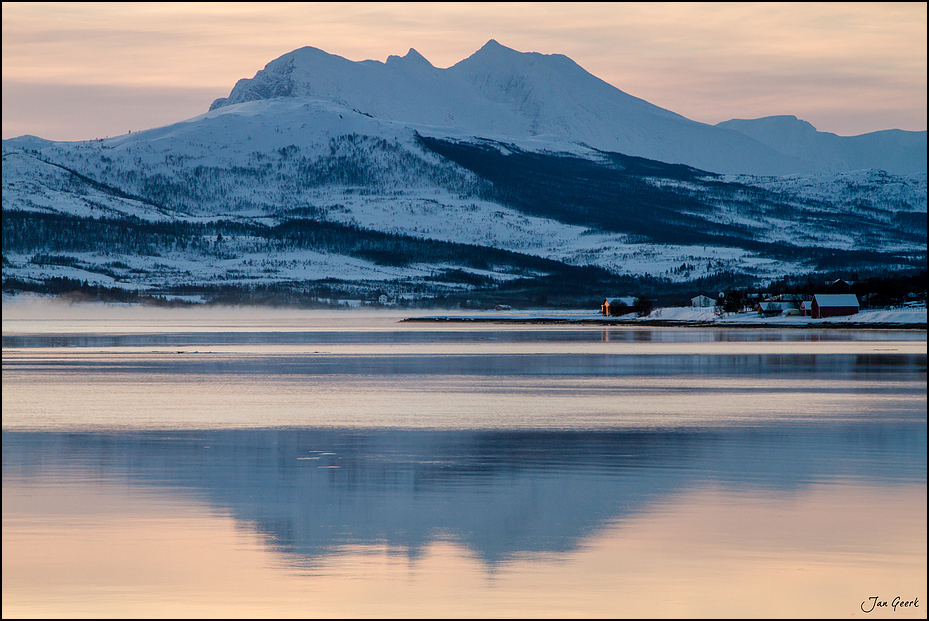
{"x":834,"y":305}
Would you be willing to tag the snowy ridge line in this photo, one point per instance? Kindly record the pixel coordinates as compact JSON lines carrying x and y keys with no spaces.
{"x":501,"y":93}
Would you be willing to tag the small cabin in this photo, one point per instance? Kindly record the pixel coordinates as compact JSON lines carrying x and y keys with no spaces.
{"x":614,"y":307}
{"x":834,"y":305}
{"x":769,"y":309}
{"x":773,"y":308}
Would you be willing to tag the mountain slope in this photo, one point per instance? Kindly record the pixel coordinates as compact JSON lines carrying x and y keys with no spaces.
{"x":192,"y":206}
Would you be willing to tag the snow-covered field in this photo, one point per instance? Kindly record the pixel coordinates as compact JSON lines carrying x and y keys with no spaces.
{"x":893,"y":316}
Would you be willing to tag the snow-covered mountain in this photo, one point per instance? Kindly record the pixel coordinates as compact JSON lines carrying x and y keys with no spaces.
{"x":532,"y":98}
{"x":503,"y":169}
{"x":894,"y":151}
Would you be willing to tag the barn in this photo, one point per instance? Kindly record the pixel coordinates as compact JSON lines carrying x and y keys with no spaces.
{"x":834,"y":305}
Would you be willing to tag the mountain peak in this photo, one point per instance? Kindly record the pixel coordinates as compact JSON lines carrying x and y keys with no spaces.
{"x":782,"y":122}
{"x":412,"y":58}
{"x":492,"y":48}
{"x":413,"y":55}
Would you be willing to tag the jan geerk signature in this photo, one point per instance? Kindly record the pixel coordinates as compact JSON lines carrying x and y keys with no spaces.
{"x":875,"y":602}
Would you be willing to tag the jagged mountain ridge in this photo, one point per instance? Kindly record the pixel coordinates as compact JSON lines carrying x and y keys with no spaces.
{"x":507,"y":95}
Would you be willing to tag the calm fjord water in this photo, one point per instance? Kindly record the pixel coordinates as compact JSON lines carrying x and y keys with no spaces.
{"x":345,"y":464}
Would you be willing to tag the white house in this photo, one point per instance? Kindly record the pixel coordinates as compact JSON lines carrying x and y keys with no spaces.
{"x":702,"y":301}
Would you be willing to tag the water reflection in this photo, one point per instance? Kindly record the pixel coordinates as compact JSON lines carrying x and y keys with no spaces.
{"x":171,"y":336}
{"x":460,"y":471}
{"x":310,"y":492}
{"x":497,"y":365}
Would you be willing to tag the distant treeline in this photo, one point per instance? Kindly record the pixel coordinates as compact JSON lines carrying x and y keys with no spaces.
{"x":51,"y":235}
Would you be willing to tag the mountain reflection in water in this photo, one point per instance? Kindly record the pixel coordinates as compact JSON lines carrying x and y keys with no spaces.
{"x":311,"y":492}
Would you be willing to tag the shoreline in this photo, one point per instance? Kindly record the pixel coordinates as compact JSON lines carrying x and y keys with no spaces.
{"x":48,"y":308}
{"x":667,"y":323}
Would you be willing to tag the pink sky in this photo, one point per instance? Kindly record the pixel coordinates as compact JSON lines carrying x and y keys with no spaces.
{"x":76,"y":71}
